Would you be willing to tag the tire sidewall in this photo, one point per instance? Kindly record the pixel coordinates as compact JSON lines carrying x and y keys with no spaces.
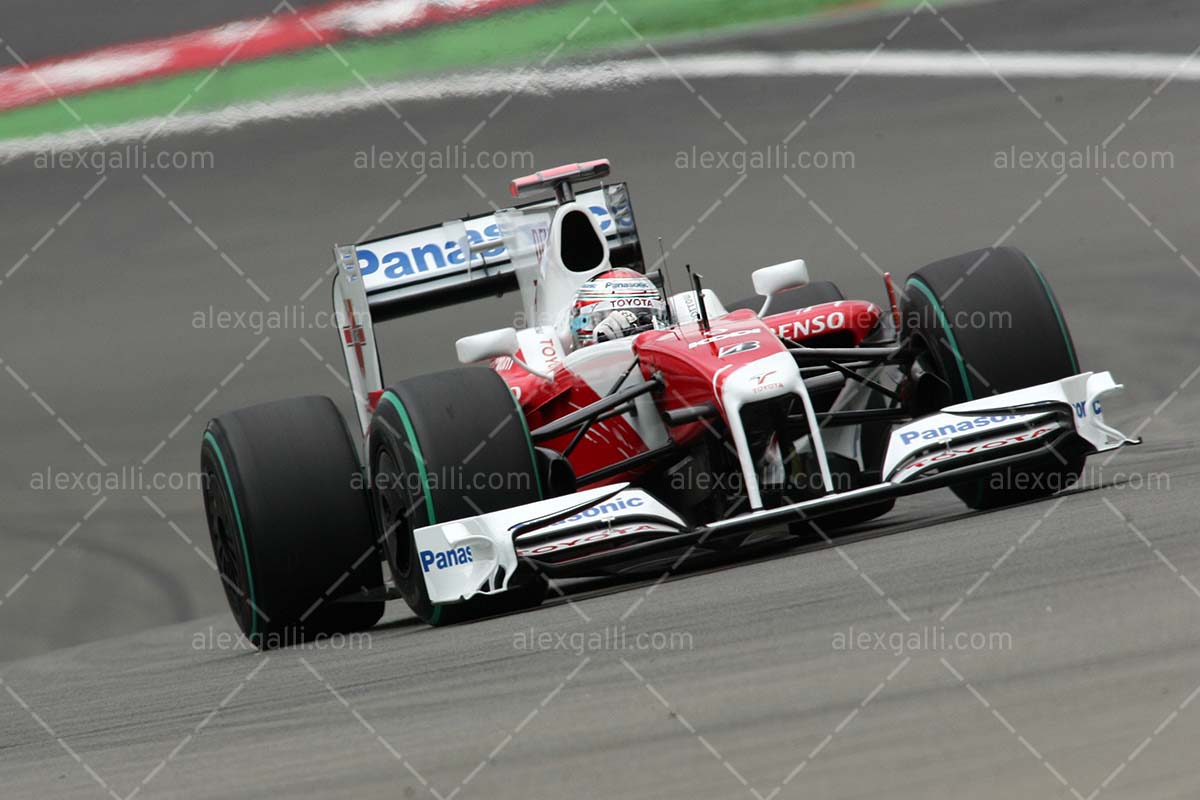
{"x":221,"y":501}
{"x":388,"y":440}
{"x":288,"y":473}
{"x":429,"y":427}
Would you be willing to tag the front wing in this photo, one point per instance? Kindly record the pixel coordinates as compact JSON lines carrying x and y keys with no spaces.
{"x":575,"y":534}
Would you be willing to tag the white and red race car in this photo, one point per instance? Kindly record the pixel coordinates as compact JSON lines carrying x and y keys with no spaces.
{"x":477,"y":486}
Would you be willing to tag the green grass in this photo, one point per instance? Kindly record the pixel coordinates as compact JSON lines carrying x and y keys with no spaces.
{"x":525,"y":36}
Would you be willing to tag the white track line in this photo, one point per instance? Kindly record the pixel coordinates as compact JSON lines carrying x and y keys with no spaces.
{"x":616,"y":75}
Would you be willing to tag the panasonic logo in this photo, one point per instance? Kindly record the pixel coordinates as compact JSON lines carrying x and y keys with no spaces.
{"x":609,"y":508}
{"x":952,"y":428}
{"x":423,"y":252}
{"x":443,"y":559}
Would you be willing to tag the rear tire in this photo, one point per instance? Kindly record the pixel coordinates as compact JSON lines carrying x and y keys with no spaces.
{"x":290,"y":521}
{"x":986,"y":322}
{"x":441,"y":447}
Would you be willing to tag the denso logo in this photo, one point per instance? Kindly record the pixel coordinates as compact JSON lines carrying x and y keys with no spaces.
{"x":610,"y":507}
{"x":952,"y":428}
{"x":799,"y":329}
{"x":443,"y":559}
{"x":434,"y":256}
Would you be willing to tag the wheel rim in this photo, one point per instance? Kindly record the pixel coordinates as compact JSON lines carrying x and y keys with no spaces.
{"x":392,"y":505}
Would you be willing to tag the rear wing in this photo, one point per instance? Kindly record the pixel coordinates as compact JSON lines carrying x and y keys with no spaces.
{"x":441,"y":265}
{"x":451,"y":263}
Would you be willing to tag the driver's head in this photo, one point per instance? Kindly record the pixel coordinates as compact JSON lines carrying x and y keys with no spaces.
{"x":621,"y":290}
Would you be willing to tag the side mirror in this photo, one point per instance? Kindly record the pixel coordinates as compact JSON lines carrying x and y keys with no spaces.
{"x":770,"y":281}
{"x":482,"y":346}
{"x":494,"y":344}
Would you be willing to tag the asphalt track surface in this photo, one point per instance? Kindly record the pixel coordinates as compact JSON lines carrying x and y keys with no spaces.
{"x":1096,"y":590}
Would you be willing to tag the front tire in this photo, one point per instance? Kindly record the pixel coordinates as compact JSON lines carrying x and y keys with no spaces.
{"x":441,"y":447}
{"x":290,"y":521}
{"x":986,"y":322}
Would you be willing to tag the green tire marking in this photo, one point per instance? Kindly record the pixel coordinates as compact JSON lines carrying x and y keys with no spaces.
{"x":1062,"y":324}
{"x":537,"y":479}
{"x":208,"y":437}
{"x":416,"y":448}
{"x":941,"y":315}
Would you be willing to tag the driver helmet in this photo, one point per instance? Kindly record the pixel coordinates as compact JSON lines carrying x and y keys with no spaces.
{"x":616,"y":290}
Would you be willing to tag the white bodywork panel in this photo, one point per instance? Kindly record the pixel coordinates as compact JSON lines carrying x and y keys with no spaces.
{"x":772,"y":376}
{"x":685,"y":309}
{"x":541,"y":349}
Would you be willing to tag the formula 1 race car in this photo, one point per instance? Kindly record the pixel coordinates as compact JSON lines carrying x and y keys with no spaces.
{"x":539,"y":459}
